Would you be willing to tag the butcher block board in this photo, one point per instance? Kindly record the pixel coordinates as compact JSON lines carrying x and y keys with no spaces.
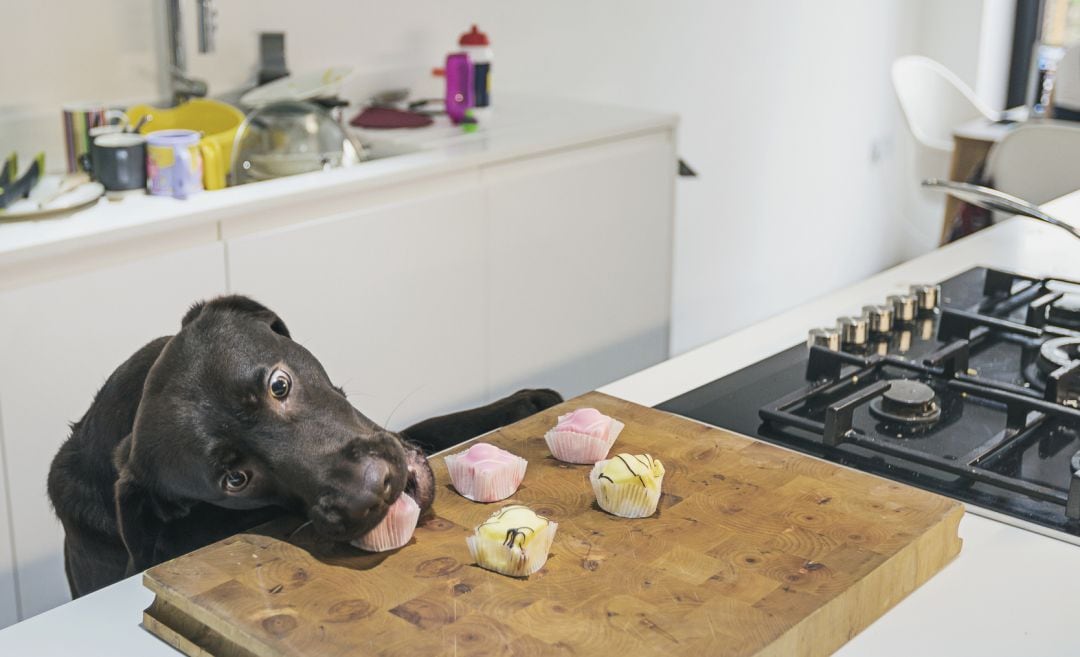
{"x":755,"y":550}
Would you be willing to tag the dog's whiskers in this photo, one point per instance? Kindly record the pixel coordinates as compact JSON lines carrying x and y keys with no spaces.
{"x":296,"y":531}
{"x":400,"y":403}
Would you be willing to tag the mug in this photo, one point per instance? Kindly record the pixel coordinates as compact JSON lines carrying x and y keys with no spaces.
{"x":118,"y":161}
{"x":79,"y":120}
{"x":174,"y":164}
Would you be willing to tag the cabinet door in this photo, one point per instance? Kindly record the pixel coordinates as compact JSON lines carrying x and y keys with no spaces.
{"x":8,"y":601}
{"x":390,"y":298}
{"x":580,"y":253}
{"x":59,"y":341}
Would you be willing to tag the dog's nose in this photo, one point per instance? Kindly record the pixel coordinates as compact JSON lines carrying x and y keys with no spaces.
{"x":376,"y":477}
{"x":359,"y":505}
{"x":338,"y":518}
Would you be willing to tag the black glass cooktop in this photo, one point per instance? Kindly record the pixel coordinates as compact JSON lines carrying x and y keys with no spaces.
{"x":969,"y":389}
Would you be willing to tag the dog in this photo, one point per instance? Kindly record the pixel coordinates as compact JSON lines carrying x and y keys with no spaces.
{"x":226,"y":425}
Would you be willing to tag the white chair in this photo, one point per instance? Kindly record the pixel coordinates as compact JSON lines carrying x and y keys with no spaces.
{"x":1037,"y":162}
{"x":934,"y":101}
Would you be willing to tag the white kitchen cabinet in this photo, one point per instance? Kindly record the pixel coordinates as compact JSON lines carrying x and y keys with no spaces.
{"x":546,"y":271}
{"x":580,"y":253}
{"x":390,"y":298}
{"x":9,"y":610}
{"x":59,"y":340}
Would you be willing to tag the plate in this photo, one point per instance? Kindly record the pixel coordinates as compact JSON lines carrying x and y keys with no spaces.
{"x":314,"y":84}
{"x":28,"y":208}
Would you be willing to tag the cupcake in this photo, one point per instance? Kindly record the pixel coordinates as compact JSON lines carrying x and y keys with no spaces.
{"x":628,"y":485}
{"x":485,"y":473}
{"x":396,"y":528}
{"x":513,"y":541}
{"x":583,"y":436}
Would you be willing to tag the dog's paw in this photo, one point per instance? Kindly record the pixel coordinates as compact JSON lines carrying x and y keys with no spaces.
{"x":534,"y":400}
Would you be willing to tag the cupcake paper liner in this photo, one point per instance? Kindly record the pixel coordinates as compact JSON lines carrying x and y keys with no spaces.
{"x":489,"y":484}
{"x":513,"y":561}
{"x":573,"y":447}
{"x":396,"y":528}
{"x":629,"y":500}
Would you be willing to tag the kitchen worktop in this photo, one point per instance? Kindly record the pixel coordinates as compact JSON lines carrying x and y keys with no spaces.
{"x":1009,"y":592}
{"x":521,"y":126}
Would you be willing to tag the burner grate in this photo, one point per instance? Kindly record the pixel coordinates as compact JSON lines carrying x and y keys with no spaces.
{"x":1025,"y":412}
{"x":1008,"y":435}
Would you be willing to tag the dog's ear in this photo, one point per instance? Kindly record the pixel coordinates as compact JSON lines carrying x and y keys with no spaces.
{"x":138,"y":524}
{"x":140,"y":514}
{"x":240,"y":304}
{"x":192,"y":312}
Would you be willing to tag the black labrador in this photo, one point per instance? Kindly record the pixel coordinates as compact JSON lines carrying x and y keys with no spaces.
{"x":223,"y":426}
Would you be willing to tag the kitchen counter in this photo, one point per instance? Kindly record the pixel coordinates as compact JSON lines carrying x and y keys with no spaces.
{"x":522,"y":126}
{"x":1008,"y":593}
{"x":458,"y":226}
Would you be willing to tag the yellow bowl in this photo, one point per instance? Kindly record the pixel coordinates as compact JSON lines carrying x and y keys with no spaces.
{"x":217,"y":122}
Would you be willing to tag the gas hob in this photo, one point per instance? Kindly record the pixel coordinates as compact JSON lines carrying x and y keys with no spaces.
{"x":970,"y":388}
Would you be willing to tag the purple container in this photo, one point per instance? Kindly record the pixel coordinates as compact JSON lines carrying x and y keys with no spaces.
{"x":459,"y":86}
{"x":174,"y":163}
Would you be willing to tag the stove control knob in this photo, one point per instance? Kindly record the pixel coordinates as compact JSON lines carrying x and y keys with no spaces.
{"x":880,"y":319}
{"x":927,"y":297}
{"x":824,"y":337}
{"x":854,"y":331}
{"x":903,"y":306}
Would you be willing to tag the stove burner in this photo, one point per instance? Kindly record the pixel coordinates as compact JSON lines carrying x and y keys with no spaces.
{"x":1057,"y":353}
{"x":1065,"y":312}
{"x":907,"y":402}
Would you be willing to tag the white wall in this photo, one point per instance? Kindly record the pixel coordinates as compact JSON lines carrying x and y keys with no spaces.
{"x":787,"y":110}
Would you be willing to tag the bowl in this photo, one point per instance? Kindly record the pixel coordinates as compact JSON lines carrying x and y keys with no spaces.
{"x":288,"y":138}
{"x":216,"y":120}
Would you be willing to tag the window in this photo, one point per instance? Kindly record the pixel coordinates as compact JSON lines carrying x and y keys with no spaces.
{"x":1061,"y":22}
{"x":1042,"y":30}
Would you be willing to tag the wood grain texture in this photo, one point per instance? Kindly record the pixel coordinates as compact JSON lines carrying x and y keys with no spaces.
{"x":755,"y":550}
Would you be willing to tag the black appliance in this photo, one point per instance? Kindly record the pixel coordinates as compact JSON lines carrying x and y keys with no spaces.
{"x":970,"y":388}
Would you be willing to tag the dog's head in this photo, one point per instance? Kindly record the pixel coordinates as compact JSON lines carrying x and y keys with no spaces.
{"x":236,"y":414}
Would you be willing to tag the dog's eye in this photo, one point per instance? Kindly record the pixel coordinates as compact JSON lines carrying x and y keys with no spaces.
{"x":235,"y":480}
{"x":280,"y":383}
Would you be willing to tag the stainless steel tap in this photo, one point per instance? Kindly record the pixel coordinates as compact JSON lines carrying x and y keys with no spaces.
{"x":181,"y":86}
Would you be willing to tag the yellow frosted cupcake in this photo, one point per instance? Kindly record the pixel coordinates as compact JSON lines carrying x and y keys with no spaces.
{"x":513,"y":541}
{"x":628,"y":485}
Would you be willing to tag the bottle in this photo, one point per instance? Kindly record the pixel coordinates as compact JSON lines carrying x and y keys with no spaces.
{"x":459,"y":86}
{"x":475,"y":44}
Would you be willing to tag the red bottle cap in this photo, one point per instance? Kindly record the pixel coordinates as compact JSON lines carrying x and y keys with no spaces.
{"x":473,"y":37}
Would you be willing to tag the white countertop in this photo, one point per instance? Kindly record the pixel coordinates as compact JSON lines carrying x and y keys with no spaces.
{"x":520,"y":127}
{"x":1009,"y":592}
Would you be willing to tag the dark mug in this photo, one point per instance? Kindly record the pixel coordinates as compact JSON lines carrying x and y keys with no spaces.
{"x":118,"y":160}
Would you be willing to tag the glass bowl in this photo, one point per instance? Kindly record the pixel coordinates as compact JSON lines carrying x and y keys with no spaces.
{"x":287,"y":138}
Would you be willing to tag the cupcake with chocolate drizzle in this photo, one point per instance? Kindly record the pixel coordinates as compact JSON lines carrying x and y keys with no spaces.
{"x":628,"y":485}
{"x":513,"y":541}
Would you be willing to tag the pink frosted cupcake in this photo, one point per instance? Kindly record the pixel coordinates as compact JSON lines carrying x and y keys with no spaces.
{"x":583,"y":436}
{"x":396,"y":528}
{"x":485,"y":473}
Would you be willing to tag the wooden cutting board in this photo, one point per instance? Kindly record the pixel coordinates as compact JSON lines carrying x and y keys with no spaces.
{"x":755,"y":550}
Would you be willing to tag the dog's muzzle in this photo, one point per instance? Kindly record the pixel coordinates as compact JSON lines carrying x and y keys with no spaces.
{"x":346,"y":512}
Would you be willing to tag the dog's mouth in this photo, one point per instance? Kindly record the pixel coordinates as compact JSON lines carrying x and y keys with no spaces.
{"x":420,"y":484}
